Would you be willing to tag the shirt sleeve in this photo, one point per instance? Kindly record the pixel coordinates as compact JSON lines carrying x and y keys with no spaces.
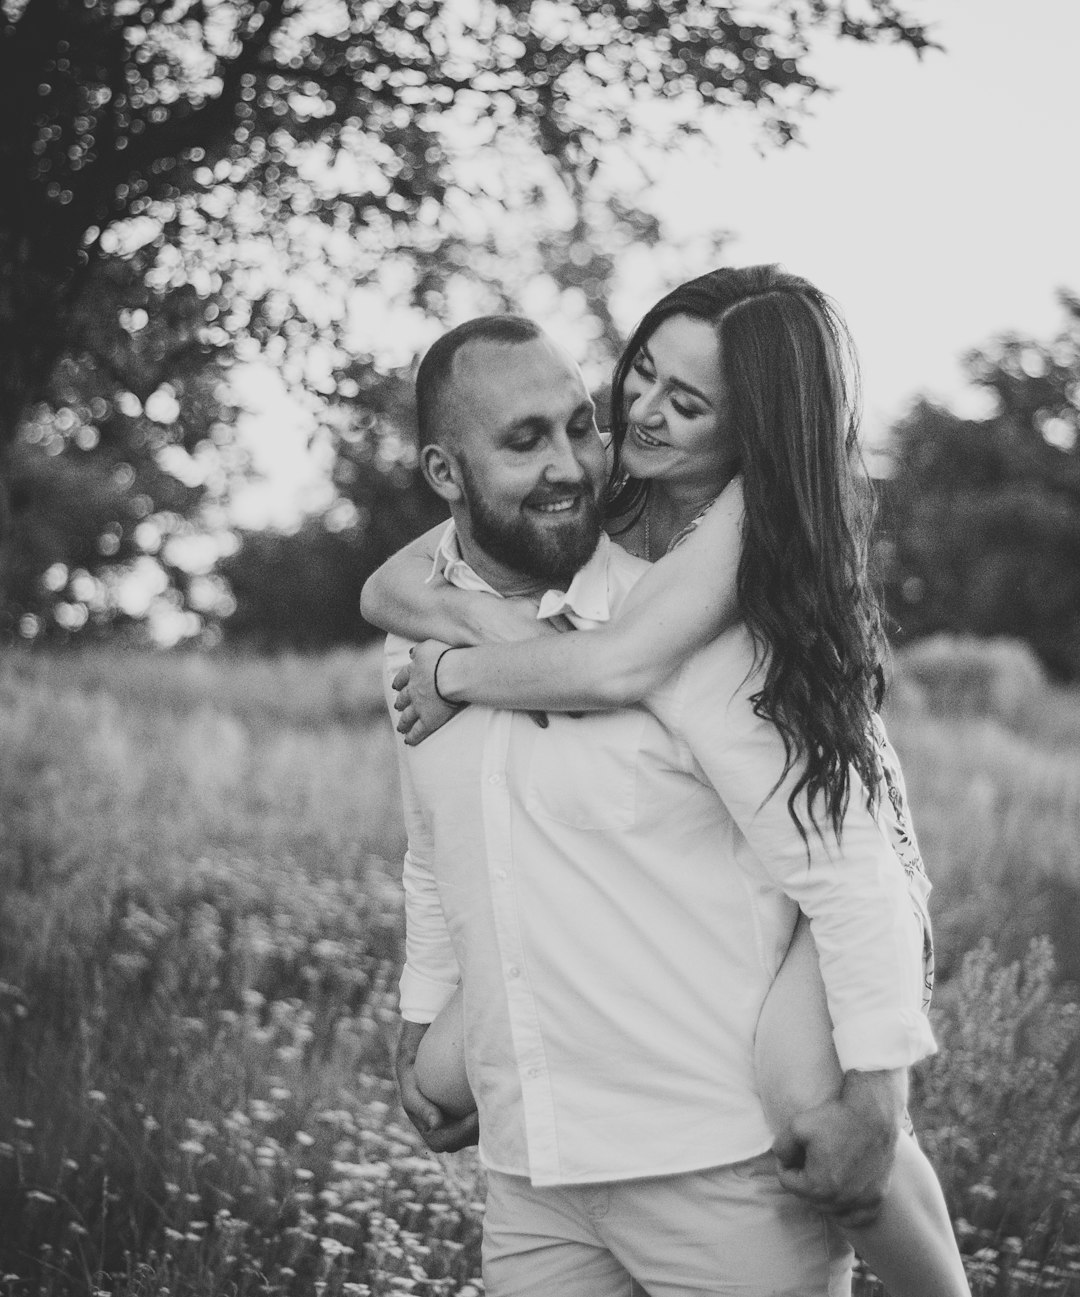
{"x":431,"y":971}
{"x":852,"y":888}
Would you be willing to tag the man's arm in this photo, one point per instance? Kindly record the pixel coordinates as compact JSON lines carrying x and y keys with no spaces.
{"x":430,"y":975}
{"x":852,"y":889}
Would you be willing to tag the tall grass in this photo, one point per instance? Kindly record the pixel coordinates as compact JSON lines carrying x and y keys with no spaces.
{"x":991,"y":756}
{"x":200,"y":932}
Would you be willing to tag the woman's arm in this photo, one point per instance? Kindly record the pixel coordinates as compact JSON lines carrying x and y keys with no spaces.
{"x":677,"y":607}
{"x":401,"y":598}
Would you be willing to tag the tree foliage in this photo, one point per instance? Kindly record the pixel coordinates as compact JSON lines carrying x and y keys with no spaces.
{"x":982,"y":519}
{"x":270,"y":157}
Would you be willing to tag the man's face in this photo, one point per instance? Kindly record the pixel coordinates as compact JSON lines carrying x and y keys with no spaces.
{"x":530,"y":459}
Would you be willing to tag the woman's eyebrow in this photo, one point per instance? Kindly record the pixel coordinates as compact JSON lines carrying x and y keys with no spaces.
{"x":677,"y":382}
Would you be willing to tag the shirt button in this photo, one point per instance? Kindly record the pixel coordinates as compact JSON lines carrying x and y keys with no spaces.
{"x":500,"y":874}
{"x":496,"y":780}
{"x":534,"y":1072}
{"x":513,"y":971}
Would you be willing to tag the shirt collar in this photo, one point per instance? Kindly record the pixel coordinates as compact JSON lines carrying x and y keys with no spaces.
{"x":586,"y":600}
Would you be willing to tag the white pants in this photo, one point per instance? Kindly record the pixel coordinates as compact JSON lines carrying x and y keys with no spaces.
{"x":730,"y":1230}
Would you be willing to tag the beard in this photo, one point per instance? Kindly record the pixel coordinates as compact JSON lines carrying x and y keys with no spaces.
{"x":548,"y":552}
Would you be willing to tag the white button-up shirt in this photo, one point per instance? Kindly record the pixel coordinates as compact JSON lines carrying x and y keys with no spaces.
{"x":616,"y":893}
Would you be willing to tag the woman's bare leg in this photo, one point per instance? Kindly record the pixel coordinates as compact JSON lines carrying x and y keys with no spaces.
{"x":910,"y":1247}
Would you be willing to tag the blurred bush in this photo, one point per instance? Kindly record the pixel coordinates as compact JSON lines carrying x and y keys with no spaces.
{"x":980,"y":526}
{"x":958,"y":674}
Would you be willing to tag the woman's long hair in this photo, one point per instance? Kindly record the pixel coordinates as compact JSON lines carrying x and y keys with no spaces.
{"x":804,"y":591}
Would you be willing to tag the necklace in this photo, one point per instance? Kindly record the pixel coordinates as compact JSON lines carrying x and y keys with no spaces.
{"x":679,"y":535}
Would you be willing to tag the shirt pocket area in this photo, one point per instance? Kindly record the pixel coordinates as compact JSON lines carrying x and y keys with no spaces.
{"x":584,"y":770}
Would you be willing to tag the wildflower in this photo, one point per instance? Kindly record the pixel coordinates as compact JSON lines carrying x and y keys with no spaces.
{"x":334,"y":1248}
{"x":279,"y":1093}
{"x":304,"y":1139}
{"x":302,"y":1173}
{"x":336,"y":1117}
{"x":191,"y":1146}
{"x":24,"y":1123}
{"x":96,"y":1096}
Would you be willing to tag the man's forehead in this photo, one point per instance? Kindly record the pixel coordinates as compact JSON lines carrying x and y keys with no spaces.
{"x":505,"y":380}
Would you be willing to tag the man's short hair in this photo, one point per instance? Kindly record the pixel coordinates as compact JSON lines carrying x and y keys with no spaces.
{"x":433,"y":375}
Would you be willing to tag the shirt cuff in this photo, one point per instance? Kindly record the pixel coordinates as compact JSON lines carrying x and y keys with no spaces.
{"x":876,"y":1042}
{"x":420,"y":998}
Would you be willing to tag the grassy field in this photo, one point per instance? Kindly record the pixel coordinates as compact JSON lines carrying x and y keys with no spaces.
{"x":200,"y":933}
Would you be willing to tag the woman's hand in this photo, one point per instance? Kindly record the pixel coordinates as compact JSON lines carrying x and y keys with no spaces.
{"x":420,"y":709}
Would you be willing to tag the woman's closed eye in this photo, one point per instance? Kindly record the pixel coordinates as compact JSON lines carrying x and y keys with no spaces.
{"x":687,"y":411}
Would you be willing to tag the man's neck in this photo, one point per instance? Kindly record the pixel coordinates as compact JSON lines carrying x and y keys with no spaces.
{"x":505,"y":580}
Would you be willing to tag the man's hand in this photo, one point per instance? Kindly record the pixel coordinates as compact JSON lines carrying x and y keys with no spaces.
{"x":839,"y":1156}
{"x":440,"y":1135}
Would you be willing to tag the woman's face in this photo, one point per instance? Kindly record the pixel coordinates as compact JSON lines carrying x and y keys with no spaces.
{"x":676,"y":407}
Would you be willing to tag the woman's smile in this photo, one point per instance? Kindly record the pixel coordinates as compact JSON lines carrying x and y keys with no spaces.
{"x":646,"y":438}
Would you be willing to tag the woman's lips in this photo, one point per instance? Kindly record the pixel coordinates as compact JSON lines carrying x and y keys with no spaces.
{"x":646,"y":438}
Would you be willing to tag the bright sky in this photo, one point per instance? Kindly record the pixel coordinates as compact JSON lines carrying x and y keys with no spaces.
{"x":934,"y":200}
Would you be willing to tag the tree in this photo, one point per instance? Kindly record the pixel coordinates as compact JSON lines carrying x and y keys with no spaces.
{"x":301,"y":590}
{"x":118,"y":461}
{"x":981,"y":530}
{"x":114,"y":112}
{"x":265,"y":157}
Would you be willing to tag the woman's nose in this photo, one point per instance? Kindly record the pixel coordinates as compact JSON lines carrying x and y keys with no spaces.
{"x":645,"y":407}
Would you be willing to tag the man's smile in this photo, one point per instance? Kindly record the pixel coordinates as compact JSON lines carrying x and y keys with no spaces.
{"x":556,"y":506}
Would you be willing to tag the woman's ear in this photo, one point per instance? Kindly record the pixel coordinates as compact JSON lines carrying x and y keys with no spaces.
{"x":440,"y":470}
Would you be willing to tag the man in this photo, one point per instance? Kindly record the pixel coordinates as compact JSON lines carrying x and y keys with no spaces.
{"x":615,"y":894}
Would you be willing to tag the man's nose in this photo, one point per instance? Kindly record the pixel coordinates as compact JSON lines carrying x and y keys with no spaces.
{"x":563,"y":463}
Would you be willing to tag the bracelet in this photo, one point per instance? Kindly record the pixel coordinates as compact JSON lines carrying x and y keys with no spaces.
{"x":435,"y":679}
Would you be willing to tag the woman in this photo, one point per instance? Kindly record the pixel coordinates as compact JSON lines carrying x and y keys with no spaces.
{"x":735,"y":466}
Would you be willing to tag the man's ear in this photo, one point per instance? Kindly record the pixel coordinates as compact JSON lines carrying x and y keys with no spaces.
{"x":441,"y":472}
